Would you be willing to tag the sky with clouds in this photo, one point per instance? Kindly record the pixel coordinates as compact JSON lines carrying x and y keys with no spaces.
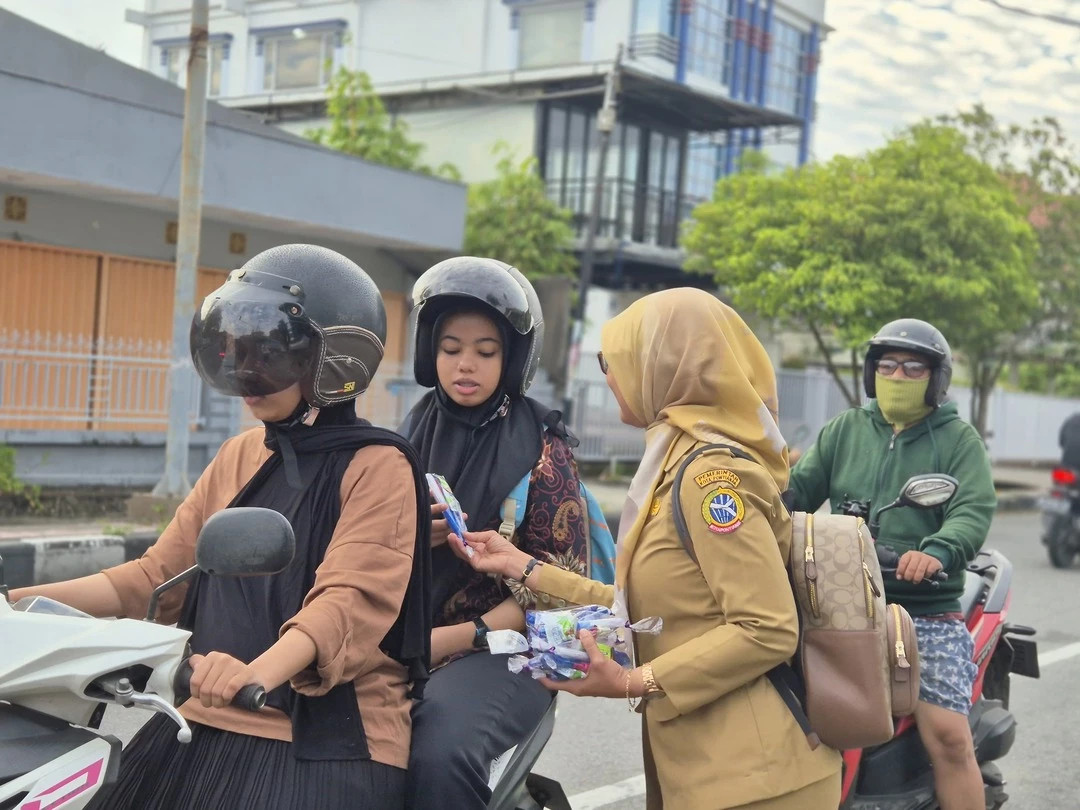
{"x":894,"y":62}
{"x":887,"y":63}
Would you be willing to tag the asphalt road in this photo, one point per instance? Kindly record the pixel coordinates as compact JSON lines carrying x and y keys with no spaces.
{"x":596,"y":751}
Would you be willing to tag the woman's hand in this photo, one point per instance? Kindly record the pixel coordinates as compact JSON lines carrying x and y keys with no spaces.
{"x":217,"y":677}
{"x":440,"y":528}
{"x":605,"y":678}
{"x":491,"y":553}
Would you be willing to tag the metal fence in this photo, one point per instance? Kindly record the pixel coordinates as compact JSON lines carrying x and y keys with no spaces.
{"x":53,"y":381}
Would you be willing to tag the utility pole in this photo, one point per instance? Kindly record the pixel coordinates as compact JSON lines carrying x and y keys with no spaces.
{"x":605,"y":123}
{"x":174,"y":483}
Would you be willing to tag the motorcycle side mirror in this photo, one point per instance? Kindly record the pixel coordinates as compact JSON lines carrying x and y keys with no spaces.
{"x":928,"y":490}
{"x":244,"y":541}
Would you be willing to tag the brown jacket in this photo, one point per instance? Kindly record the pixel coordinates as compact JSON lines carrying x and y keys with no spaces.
{"x":359,"y":587}
{"x":721,"y":736}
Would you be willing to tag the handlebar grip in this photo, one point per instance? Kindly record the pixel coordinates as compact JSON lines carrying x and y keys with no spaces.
{"x":251,"y":697}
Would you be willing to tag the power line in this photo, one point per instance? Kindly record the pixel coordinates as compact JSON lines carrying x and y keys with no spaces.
{"x":1054,"y":18}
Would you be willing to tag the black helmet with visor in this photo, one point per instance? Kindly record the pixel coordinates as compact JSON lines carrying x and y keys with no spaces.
{"x":294,"y":314}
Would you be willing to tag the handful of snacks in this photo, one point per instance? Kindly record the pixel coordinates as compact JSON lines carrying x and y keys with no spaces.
{"x":553,"y":650}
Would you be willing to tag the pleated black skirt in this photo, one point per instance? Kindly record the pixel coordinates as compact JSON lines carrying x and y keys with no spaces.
{"x":220,"y":769}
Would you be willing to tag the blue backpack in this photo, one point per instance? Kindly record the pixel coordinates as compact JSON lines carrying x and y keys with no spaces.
{"x":599,"y":544}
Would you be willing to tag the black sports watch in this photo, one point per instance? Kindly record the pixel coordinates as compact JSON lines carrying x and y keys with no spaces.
{"x":479,"y":641}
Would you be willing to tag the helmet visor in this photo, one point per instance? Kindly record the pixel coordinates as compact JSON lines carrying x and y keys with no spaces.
{"x":251,"y":347}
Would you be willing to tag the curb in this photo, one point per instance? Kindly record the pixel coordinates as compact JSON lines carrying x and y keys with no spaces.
{"x":38,"y":560}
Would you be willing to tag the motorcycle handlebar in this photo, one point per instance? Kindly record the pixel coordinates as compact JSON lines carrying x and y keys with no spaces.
{"x":251,"y":697}
{"x":888,"y":560}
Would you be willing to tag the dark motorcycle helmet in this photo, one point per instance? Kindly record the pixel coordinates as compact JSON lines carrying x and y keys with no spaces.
{"x":912,"y":335}
{"x":465,"y":281}
{"x":292,"y":314}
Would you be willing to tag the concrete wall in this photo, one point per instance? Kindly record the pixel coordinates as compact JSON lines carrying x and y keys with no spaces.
{"x":77,"y":222}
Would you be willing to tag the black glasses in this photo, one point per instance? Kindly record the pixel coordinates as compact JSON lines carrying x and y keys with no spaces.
{"x":913,"y":369}
{"x":603,"y":363}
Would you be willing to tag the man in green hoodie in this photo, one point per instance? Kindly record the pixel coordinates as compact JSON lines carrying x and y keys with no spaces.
{"x":868,"y":454}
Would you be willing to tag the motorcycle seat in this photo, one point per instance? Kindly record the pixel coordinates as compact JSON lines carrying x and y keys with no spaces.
{"x":973,"y":590}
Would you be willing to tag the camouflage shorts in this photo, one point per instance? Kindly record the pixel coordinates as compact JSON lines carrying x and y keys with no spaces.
{"x":947,"y":672}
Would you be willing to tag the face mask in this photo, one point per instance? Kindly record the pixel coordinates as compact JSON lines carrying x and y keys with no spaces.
{"x":902,"y":402}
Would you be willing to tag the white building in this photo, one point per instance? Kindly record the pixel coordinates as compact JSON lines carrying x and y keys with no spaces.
{"x":702,"y":80}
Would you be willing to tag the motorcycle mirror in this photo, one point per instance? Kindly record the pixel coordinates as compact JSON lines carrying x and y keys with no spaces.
{"x":245,"y":541}
{"x":928,"y":490}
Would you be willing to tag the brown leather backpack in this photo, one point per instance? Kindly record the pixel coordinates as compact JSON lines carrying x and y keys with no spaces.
{"x":857,"y":664}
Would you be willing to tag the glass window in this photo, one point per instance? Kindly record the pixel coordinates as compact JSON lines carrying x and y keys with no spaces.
{"x":555,"y":159}
{"x":786,"y":68}
{"x":711,"y":39}
{"x":575,"y":161}
{"x":299,"y":60}
{"x":174,"y":60}
{"x":550,"y":35}
{"x":654,"y":17}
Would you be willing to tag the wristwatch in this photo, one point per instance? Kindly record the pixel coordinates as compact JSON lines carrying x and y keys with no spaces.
{"x":479,"y":641}
{"x":652,"y":688}
{"x":529,"y":569}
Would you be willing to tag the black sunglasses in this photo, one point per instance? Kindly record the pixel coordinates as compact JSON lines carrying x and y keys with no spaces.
{"x":603,"y":363}
{"x":913,"y":369}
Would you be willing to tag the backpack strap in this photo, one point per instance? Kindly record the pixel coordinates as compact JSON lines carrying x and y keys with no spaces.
{"x":784,"y":678}
{"x":676,"y":501}
{"x":513,"y":507}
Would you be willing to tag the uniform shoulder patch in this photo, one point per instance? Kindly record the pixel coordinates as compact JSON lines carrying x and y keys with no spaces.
{"x":723,"y":510}
{"x":717,"y":477}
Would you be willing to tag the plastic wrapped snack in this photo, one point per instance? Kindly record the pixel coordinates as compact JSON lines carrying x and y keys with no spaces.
{"x":551,"y":648}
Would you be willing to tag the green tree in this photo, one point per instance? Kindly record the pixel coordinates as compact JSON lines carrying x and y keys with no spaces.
{"x":511,"y":218}
{"x":360,"y":125}
{"x":917,"y":228}
{"x":1042,"y":167}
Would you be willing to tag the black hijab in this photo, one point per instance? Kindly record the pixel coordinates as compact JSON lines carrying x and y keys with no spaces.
{"x":241,"y":615}
{"x":483,"y":451}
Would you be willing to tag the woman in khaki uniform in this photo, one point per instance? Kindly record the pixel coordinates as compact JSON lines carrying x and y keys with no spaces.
{"x":686,"y":368}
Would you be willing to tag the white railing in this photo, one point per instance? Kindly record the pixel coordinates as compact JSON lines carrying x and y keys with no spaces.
{"x":63,"y":381}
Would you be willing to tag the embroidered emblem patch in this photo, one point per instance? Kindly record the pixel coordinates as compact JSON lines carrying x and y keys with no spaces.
{"x":717,"y":477}
{"x":654,"y":510}
{"x":723,"y":510}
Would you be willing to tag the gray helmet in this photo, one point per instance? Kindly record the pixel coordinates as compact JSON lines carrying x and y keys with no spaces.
{"x":292,"y":314}
{"x":466,"y":281}
{"x":912,"y":335}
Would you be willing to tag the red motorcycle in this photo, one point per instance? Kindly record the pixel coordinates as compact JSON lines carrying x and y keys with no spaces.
{"x":897,"y":775}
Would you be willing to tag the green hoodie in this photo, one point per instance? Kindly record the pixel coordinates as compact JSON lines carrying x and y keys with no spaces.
{"x":857,"y":456}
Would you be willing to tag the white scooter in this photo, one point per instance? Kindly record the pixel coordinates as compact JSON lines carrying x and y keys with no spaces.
{"x":60,"y":668}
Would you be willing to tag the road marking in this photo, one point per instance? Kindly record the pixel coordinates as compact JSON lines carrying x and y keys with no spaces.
{"x":609,"y":794}
{"x":635,"y":785}
{"x":1059,"y":654}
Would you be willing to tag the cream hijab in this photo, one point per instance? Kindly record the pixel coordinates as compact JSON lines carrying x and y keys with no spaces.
{"x":690,"y":369}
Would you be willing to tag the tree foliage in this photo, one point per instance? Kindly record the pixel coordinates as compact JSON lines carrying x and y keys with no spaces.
{"x":918,"y":228}
{"x":512,"y":219}
{"x":360,"y":125}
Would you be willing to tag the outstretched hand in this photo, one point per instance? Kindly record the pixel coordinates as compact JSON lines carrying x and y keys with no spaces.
{"x":490,"y":553}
